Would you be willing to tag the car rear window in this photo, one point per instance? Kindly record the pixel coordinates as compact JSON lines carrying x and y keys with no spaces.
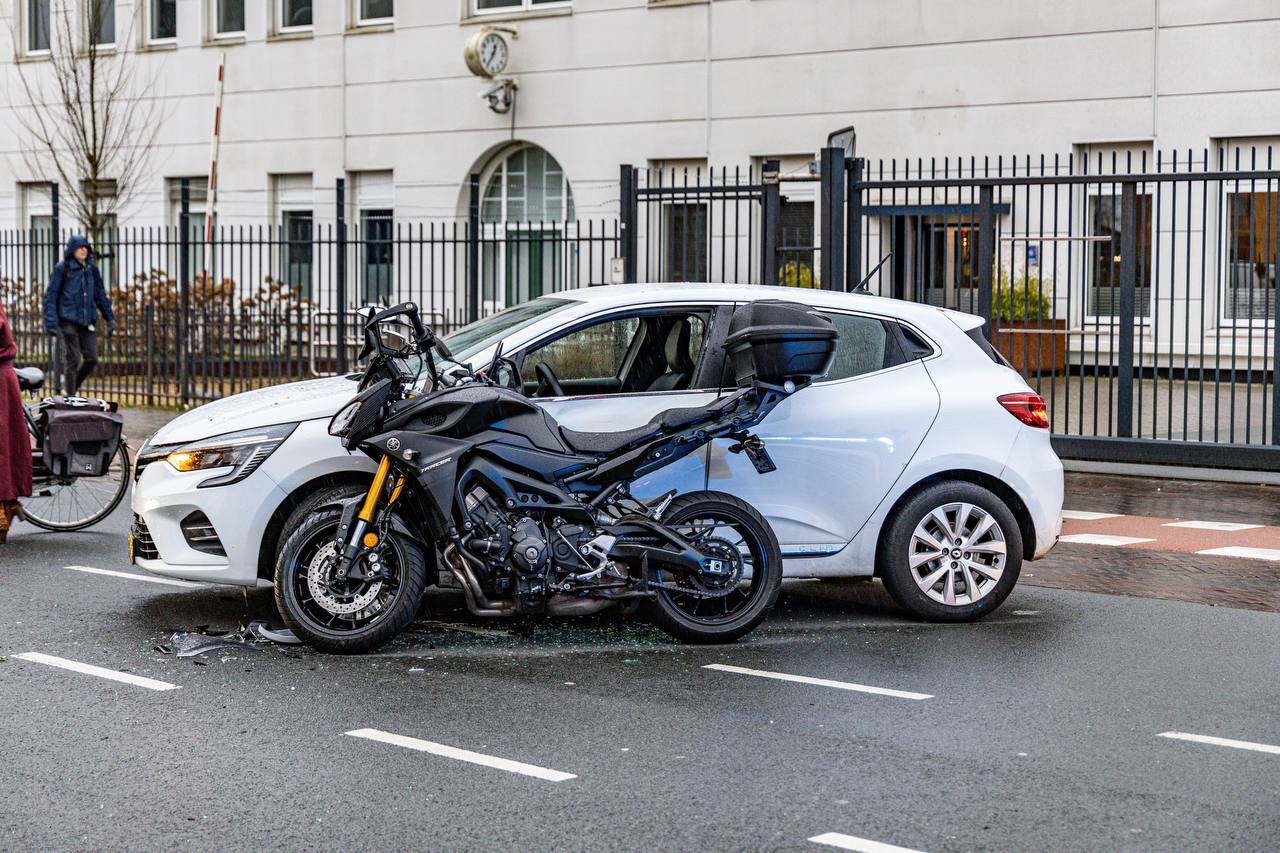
{"x":975,"y":335}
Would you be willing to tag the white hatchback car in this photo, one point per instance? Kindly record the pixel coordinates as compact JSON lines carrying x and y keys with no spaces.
{"x":921,"y":457}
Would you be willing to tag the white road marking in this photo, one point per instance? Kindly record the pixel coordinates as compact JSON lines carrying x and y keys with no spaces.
{"x":134,"y":576}
{"x":1102,"y":539}
{"x":862,"y":845}
{"x":462,"y":755}
{"x":101,"y":672}
{"x":1222,"y":741}
{"x":1225,"y":526}
{"x":819,"y":682}
{"x":1081,"y":515}
{"x":1241,"y":551}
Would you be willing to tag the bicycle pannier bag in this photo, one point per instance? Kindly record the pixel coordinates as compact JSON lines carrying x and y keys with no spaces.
{"x":81,"y":435}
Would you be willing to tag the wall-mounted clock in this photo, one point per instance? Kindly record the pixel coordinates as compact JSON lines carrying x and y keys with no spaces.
{"x":487,"y":53}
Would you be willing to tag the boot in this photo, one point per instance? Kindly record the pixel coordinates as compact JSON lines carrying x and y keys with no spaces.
{"x":5,"y":521}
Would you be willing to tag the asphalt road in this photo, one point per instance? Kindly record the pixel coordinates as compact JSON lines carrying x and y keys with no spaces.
{"x":1042,"y":728}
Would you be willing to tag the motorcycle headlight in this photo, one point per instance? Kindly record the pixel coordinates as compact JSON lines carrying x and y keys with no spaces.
{"x":342,"y":421}
{"x":243,"y":452}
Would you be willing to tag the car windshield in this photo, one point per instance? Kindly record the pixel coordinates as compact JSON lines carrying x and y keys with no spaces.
{"x":482,"y":334}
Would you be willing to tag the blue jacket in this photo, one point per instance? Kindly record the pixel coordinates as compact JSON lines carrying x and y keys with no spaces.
{"x":76,"y":292}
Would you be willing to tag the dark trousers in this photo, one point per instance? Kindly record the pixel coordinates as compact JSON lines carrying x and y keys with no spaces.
{"x":79,"y":355}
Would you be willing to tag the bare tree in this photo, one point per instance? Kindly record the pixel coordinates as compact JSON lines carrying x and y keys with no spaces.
{"x":91,"y":118}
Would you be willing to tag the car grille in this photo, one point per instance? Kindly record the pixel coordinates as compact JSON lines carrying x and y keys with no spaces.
{"x":143,"y":546}
{"x":200,"y":535}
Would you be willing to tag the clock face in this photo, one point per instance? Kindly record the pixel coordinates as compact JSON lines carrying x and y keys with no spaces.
{"x":493,"y":54}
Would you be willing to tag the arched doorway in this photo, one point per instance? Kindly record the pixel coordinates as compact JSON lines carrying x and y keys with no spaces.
{"x":526,"y":216}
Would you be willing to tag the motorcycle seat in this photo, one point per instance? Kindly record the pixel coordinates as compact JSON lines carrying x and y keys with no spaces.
{"x":668,"y":420}
{"x":29,"y":378}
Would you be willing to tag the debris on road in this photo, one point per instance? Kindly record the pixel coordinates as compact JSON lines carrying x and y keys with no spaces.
{"x":250,"y":638}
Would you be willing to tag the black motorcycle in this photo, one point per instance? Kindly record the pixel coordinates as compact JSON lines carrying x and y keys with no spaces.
{"x":478,"y":487}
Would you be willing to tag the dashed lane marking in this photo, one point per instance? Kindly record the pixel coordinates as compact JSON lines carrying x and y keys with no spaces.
{"x":1102,"y":539}
{"x":1081,"y":515}
{"x":1224,"y":526}
{"x":463,"y":755}
{"x":818,"y":682}
{"x":100,"y":672}
{"x":1223,"y":741}
{"x":1272,"y":554}
{"x":862,"y":845}
{"x":133,"y":576}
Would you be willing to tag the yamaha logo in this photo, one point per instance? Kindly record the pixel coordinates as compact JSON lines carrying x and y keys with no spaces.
{"x":393,"y":444}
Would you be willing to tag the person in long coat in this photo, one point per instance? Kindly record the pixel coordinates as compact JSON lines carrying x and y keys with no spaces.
{"x":15,"y":441}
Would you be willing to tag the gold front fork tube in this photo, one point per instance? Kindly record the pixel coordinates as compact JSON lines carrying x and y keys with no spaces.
{"x":379,"y":481}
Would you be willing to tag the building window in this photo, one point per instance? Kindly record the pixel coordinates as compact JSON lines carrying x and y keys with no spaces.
{"x":297,"y":229}
{"x":45,"y":248}
{"x":1253,"y":238}
{"x":37,"y":26}
{"x":228,"y":18}
{"x":685,"y":241}
{"x":163,"y":21}
{"x":488,"y":7}
{"x":375,"y":12}
{"x":1104,"y":256}
{"x":295,"y":15}
{"x":526,"y":214}
{"x":102,"y":23}
{"x":377,"y":227}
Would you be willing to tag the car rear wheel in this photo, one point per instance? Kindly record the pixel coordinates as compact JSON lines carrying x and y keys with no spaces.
{"x":951,"y":553}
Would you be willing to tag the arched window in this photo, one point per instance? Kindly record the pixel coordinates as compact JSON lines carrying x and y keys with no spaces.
{"x":526,"y":215}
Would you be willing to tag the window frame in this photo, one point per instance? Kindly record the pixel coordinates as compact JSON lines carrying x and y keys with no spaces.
{"x":709,"y":357}
{"x":151,"y":39}
{"x":285,"y":29}
{"x":524,"y":7}
{"x":360,"y":21}
{"x":1094,"y":193}
{"x":216,"y":35}
{"x":26,"y":21}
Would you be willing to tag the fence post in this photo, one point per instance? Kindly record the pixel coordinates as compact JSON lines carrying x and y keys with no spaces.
{"x":629,"y":215}
{"x":340,"y":282}
{"x":55,"y":348}
{"x":853,"y":233}
{"x":832,"y":241}
{"x":770,"y":222}
{"x":184,"y":292}
{"x":1128,"y":297}
{"x":473,"y":250}
{"x":986,"y":255}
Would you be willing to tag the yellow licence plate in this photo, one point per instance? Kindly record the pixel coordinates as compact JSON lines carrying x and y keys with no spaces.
{"x":131,"y":560}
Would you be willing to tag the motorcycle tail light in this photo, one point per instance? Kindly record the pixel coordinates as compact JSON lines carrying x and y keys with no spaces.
{"x":1026,"y":407}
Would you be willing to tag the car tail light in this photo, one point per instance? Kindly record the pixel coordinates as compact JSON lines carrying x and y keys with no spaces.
{"x":1028,"y":408}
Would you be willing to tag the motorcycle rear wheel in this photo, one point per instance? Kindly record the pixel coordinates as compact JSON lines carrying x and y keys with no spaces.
{"x":389,"y":611}
{"x":719,"y":610}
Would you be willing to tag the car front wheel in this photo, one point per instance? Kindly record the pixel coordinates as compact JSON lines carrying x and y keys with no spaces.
{"x":951,"y":553}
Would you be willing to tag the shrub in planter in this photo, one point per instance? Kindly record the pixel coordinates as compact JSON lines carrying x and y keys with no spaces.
{"x":1023,"y":313}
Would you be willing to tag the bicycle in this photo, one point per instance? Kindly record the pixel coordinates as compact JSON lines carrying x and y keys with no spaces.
{"x":70,"y":501}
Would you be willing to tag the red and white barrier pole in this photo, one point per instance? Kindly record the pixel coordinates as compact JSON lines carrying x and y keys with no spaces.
{"x":212,"y":203}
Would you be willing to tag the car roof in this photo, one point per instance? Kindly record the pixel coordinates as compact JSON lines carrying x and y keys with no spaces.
{"x":629,"y":294}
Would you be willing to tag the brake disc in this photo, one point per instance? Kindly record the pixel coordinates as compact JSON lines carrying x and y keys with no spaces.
{"x":318,"y":575}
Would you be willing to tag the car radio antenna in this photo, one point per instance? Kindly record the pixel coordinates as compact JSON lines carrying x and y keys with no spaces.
{"x":862,"y":285}
{"x":492,"y":372}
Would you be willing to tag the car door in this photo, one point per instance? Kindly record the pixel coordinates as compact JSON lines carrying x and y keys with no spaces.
{"x":841,"y":443}
{"x":616,"y":372}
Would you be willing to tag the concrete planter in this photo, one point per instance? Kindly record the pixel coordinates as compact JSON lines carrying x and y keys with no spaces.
{"x":1030,"y":348}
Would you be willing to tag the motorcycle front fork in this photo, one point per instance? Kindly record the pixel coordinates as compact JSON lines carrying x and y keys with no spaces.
{"x":363,"y":536}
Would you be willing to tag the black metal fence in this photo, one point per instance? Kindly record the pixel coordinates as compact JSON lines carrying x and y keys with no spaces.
{"x":1136,"y":293}
{"x":199,"y":319}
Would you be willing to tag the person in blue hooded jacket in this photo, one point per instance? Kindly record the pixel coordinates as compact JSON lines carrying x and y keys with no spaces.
{"x":71,"y":305}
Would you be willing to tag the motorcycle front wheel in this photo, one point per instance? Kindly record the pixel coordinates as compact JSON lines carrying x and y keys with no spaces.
{"x":723,"y":605}
{"x":347,"y":617}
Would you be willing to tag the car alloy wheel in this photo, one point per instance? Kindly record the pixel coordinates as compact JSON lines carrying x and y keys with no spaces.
{"x":957,"y":553}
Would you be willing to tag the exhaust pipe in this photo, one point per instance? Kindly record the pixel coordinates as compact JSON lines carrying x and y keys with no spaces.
{"x":477,"y":602}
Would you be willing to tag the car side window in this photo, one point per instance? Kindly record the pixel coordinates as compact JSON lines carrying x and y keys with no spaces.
{"x":650,"y":352}
{"x":864,"y":346}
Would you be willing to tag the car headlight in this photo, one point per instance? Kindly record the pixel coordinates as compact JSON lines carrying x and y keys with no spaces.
{"x":342,"y":421}
{"x":243,"y":452}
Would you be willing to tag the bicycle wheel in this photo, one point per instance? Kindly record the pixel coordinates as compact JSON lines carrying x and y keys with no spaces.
{"x":74,"y":503}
